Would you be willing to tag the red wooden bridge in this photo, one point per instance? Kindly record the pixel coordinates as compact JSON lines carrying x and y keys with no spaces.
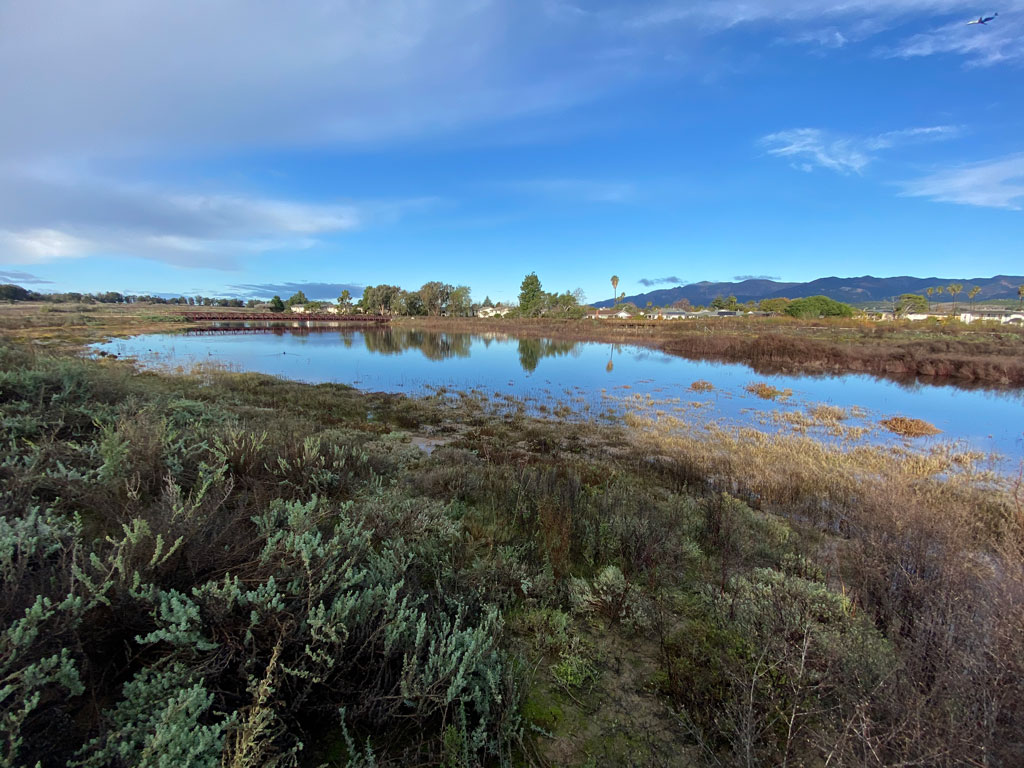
{"x":280,"y":317}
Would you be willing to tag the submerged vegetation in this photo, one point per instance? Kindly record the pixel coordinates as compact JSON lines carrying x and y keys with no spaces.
{"x":228,"y":569}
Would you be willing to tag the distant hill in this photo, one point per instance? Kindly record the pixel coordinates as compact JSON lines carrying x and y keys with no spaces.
{"x":849,"y":289}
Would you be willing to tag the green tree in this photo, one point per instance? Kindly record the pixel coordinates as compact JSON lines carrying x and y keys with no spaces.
{"x":930,"y":291}
{"x":487,"y":302}
{"x":911,"y":303}
{"x":435,"y":297}
{"x":345,"y":301}
{"x":276,"y":305}
{"x":531,"y":296}
{"x":381,"y":299}
{"x":11,"y":292}
{"x":818,"y":306}
{"x":1020,"y":295}
{"x":297,"y":298}
{"x":615,"y":287}
{"x":412,"y":304}
{"x":564,"y":304}
{"x":460,"y":301}
{"x":775,"y":306}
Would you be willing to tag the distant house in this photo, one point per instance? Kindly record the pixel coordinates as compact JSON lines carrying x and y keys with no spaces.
{"x":332,"y":310}
{"x":498,"y":311}
{"x":1001,"y":316}
{"x":299,"y":309}
{"x":609,"y":314}
{"x":669,"y":314}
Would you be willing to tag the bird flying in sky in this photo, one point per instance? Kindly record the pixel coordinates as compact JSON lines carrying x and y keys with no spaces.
{"x":983,"y":19}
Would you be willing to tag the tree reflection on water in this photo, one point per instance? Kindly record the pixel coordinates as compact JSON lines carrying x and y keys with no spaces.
{"x":433,"y":345}
{"x":532,"y":350}
{"x":442,"y":346}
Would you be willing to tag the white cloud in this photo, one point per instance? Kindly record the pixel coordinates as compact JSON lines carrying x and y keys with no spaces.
{"x":810,"y":148}
{"x":995,"y":183}
{"x":35,"y":246}
{"x":100,"y":216}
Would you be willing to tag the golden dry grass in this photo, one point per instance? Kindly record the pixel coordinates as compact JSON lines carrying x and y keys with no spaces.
{"x":908,"y":427}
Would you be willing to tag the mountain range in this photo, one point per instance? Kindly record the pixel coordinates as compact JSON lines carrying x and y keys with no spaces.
{"x":853,"y":290}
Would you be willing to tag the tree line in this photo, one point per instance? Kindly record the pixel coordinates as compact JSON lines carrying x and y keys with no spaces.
{"x":11,"y":292}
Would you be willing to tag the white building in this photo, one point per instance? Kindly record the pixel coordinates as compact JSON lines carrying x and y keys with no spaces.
{"x":1001,"y":316}
{"x":498,"y":311}
{"x":607,"y":314}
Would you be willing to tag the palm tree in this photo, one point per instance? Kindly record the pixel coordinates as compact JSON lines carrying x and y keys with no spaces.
{"x":1020,"y":293}
{"x":954,"y":289}
{"x":615,"y":287}
{"x":972,"y":293}
{"x":929,"y":291}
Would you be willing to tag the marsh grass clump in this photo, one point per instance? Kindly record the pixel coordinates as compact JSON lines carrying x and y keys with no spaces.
{"x":908,"y":427}
{"x":700,"y":385}
{"x":828,"y":414}
{"x":767,"y":392}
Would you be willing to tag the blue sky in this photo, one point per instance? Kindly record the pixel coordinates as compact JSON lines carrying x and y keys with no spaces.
{"x":250,"y":146}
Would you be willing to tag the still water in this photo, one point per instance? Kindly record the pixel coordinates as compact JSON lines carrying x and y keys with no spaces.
{"x":594,"y":380}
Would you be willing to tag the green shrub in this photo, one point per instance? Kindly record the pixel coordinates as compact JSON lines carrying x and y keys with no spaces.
{"x":818,"y":306}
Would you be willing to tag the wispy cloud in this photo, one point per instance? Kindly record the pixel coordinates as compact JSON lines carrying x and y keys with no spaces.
{"x":22,"y":278}
{"x":982,"y":46}
{"x":741,"y":278}
{"x":836,"y":23}
{"x":574,"y":190}
{"x":829,"y":37}
{"x":731,"y":13}
{"x":995,"y":183}
{"x":810,"y":148}
{"x":185,"y":228}
{"x":649,"y":281}
{"x":314,"y":291}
